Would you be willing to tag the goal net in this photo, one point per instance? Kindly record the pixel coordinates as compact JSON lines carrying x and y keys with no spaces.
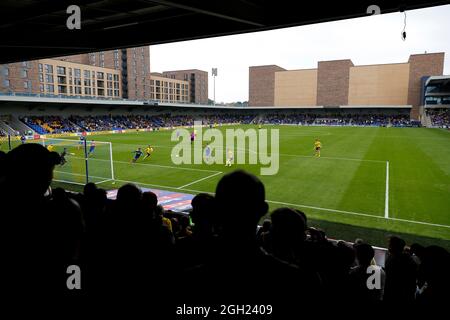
{"x":85,"y":160}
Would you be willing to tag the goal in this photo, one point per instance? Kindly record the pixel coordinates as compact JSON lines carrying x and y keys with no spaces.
{"x":81,"y":165}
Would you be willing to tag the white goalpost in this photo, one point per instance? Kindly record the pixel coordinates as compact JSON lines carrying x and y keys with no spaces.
{"x":85,"y":160}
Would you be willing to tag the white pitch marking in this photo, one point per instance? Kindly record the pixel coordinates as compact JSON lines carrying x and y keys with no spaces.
{"x":386,"y":196}
{"x":199,"y":180}
{"x":303,"y":206}
{"x":153,"y":165}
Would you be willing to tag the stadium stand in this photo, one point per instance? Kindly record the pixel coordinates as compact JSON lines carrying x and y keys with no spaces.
{"x":439,"y":117}
{"x":139,"y":245}
{"x":77,"y":123}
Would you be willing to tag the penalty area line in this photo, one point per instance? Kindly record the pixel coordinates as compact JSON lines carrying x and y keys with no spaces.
{"x":199,"y":180}
{"x":360,"y":214}
{"x":300,"y":206}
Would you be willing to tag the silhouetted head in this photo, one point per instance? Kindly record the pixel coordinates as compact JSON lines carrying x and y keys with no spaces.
{"x":240,"y":199}
{"x":267,"y":224}
{"x":364,"y":253}
{"x":129,"y":194}
{"x":303,"y":216}
{"x":203,"y":209}
{"x":436,"y":265}
{"x":89,"y":189}
{"x":417,"y":249}
{"x":31,"y":166}
{"x":345,"y":255}
{"x":150,"y":202}
{"x":396,"y":245}
{"x":288,"y":226}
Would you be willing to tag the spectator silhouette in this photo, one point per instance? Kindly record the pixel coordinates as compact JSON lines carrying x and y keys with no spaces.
{"x":287,"y":235}
{"x":359,"y":289}
{"x":239,"y":267}
{"x":400,"y":271}
{"x":199,"y":247}
{"x":435,"y":270}
{"x":263,"y":235}
{"x":43,"y":230}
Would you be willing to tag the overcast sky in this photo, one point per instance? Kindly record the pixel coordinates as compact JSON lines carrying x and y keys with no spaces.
{"x":368,"y":40}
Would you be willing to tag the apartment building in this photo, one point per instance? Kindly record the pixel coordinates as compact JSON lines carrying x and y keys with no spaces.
{"x":165,"y":89}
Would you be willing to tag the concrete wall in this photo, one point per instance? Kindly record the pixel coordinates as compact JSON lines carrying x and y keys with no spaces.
{"x":379,"y":85}
{"x":296,"y":88}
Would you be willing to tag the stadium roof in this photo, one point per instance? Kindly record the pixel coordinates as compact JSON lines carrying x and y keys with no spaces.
{"x":37,"y":100}
{"x":33,"y":29}
{"x":441,"y":80}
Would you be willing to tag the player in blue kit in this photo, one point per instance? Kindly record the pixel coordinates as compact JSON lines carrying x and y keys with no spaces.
{"x":137,"y":154}
{"x":81,"y":142}
{"x":91,"y":148}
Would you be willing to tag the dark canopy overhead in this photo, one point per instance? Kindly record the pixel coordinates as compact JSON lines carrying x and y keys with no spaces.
{"x":31,"y":29}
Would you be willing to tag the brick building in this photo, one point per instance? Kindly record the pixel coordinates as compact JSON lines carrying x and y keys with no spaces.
{"x":341,"y":83}
{"x":198,"y":83}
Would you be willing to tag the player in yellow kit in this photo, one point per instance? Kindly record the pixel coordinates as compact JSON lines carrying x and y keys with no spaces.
{"x":148,"y":152}
{"x":50,"y":148}
{"x":317,"y":147}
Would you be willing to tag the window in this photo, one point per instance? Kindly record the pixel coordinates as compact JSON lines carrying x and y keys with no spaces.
{"x":77,"y":73}
{"x":40,"y":67}
{"x":87,"y":74}
{"x":41,"y":77}
{"x":49,"y":78}
{"x":48,"y":68}
{"x":60,"y":70}
{"x":62,"y":89}
{"x":61,"y":80}
{"x":116,"y":77}
{"x":99,"y":75}
{"x":87,"y":82}
{"x":6,"y":83}
{"x":24,"y":73}
{"x":49,"y":88}
{"x":109,"y":76}
{"x":87,"y":91}
{"x":41,"y":87}
{"x":24,"y":63}
{"x":25,"y":85}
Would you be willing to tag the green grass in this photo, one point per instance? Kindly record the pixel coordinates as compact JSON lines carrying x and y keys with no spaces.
{"x":345,"y":187}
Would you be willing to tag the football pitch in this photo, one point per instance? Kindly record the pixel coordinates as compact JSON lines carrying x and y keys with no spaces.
{"x":391,"y":179}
